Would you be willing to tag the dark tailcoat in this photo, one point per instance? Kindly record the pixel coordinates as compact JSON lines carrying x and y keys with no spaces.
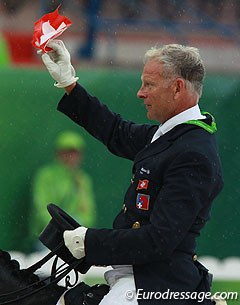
{"x":175,"y":180}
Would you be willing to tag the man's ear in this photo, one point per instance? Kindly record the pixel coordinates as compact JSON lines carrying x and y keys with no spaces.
{"x":179,"y":87}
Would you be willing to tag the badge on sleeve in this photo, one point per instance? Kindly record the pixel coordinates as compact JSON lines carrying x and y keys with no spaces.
{"x":142,"y":184}
{"x":142,"y":202}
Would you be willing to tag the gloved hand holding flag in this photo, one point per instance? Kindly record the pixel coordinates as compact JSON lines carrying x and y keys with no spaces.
{"x":55,"y":55}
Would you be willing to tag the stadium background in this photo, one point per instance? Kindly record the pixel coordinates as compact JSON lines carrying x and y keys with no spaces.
{"x":29,"y":120}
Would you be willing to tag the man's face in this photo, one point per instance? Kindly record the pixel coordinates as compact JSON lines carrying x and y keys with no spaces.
{"x":156,"y":92}
{"x":70,"y":157}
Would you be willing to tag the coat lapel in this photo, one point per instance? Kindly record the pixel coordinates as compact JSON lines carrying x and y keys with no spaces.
{"x":162,"y":143}
{"x":151,"y":149}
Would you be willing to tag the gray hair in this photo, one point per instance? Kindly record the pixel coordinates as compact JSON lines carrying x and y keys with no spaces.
{"x":180,"y":61}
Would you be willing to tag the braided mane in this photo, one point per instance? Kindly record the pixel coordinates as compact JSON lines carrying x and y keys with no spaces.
{"x":10,"y":270}
{"x":13,"y":278}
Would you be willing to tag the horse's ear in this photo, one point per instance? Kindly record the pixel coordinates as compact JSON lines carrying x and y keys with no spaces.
{"x":52,"y":235}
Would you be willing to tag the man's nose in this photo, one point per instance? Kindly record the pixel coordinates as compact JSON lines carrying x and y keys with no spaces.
{"x":141,"y":94}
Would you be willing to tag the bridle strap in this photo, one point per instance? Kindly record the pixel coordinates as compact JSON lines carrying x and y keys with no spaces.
{"x":54,"y":277}
{"x":45,"y":259}
{"x":54,"y":281}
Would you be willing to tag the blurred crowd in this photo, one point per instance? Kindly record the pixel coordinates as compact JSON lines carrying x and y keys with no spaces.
{"x":223,"y":11}
{"x":90,"y":18}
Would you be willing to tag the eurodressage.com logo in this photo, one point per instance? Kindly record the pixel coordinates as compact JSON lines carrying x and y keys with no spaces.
{"x":140,"y":294}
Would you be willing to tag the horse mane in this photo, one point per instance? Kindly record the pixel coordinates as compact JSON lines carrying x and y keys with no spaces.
{"x":13,"y":278}
{"x":10,"y":270}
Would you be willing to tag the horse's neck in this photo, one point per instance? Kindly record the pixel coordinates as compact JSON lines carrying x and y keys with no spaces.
{"x":49,"y":295}
{"x":12,"y":279}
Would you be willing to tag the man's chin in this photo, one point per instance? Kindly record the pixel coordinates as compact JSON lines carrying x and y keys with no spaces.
{"x":150,"y":116}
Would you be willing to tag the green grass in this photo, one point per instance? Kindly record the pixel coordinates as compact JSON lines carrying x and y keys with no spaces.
{"x":227,"y":286}
{"x":92,"y":281}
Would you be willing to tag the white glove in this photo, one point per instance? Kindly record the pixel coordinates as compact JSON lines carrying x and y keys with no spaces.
{"x":74,"y":241}
{"x":58,"y":63}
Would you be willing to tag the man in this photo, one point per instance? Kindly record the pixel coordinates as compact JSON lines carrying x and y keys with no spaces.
{"x":176,"y":176}
{"x":65,"y":183}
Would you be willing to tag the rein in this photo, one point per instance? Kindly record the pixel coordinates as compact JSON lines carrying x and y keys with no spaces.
{"x":51,"y":235}
{"x":56,"y":275}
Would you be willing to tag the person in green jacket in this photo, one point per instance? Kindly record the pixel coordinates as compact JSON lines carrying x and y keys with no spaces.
{"x":64,"y":183}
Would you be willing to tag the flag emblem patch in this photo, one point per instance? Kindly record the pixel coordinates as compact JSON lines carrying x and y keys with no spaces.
{"x":142,"y":202}
{"x":142,"y":184}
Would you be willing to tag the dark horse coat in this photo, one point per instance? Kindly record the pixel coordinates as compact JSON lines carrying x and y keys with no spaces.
{"x":22,"y":287}
{"x":175,"y":180}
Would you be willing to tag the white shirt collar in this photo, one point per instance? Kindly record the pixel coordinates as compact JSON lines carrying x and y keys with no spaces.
{"x":192,"y":113}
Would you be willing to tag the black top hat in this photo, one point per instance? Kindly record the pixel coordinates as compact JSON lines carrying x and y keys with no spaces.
{"x":52,"y":236}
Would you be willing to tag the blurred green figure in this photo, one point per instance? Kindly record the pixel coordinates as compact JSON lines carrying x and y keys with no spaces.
{"x":64,"y":183}
{"x":4,"y":52}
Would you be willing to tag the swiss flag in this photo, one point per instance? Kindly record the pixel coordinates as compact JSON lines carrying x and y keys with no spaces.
{"x":142,"y":202}
{"x":49,"y":27}
{"x":142,"y":184}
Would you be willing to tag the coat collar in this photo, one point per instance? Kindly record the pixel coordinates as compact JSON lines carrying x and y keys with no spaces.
{"x":166,"y":140}
{"x":161,"y":143}
{"x":192,"y":113}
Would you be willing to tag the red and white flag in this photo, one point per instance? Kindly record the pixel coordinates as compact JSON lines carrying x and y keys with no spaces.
{"x":142,"y":184}
{"x":142,"y":202}
{"x":49,"y":27}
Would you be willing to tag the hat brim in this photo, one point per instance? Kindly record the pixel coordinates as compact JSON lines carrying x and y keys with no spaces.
{"x":52,"y":236}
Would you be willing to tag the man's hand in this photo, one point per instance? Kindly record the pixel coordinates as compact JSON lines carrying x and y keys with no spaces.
{"x":58,"y":63}
{"x":74,"y":241}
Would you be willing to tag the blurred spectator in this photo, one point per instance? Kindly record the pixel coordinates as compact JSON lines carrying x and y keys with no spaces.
{"x":92,"y":9}
{"x":130,"y":8}
{"x":170,"y":10}
{"x":237,"y":12}
{"x":4,"y":52}
{"x":49,"y":6}
{"x":210,"y":10}
{"x":64,"y":183}
{"x":12,"y":6}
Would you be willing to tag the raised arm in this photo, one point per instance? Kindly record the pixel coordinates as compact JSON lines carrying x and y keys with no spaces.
{"x":123,"y":138}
